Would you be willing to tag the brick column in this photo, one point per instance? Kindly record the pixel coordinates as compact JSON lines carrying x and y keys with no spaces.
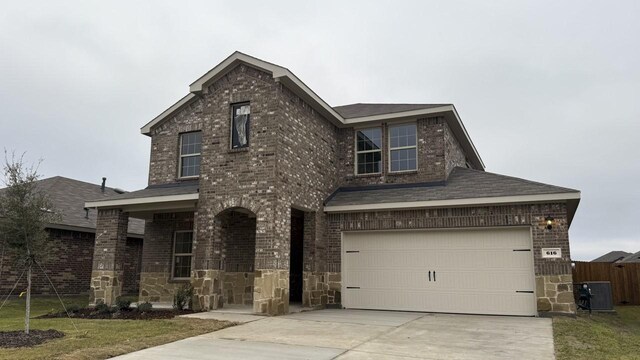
{"x":108,"y":257}
{"x":271,"y":282}
{"x":207,"y":273}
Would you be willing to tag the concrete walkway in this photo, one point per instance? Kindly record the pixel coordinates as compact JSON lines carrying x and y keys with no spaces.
{"x":363,"y":334}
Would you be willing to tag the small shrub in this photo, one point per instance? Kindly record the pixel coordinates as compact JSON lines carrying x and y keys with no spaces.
{"x":145,"y":307}
{"x":182,"y":298}
{"x":123,"y":304}
{"x":102,"y":308}
{"x":73,"y":309}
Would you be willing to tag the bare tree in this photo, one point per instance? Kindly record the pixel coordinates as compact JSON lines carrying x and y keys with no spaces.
{"x":24,"y":213}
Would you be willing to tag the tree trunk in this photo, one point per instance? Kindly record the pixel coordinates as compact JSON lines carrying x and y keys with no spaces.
{"x":28,"y":311}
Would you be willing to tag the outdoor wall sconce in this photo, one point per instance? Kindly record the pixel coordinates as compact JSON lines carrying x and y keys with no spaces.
{"x":549,"y":222}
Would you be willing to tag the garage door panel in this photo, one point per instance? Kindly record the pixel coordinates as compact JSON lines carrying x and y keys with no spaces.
{"x":417,"y":278}
{"x":497,"y":303}
{"x":474,"y":259}
{"x":477,"y":271}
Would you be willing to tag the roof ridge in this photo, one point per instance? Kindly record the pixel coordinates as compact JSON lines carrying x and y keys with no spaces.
{"x":515,"y":178}
{"x":84,"y":182}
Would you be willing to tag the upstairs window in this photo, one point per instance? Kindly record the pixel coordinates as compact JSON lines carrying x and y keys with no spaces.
{"x":182,"y":254}
{"x":369,"y":151}
{"x":240,"y":123}
{"x":190,"y":147}
{"x":403,"y":149}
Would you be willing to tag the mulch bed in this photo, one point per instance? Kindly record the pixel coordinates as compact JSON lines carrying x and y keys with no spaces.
{"x":132,"y":314}
{"x":14,"y":339}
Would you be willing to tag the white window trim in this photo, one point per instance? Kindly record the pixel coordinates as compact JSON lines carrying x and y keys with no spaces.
{"x":174,"y":254}
{"x":356,"y":152}
{"x":188,"y":155}
{"x":389,"y":149}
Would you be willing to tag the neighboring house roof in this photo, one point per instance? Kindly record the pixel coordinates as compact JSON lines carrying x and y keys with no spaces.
{"x":632,"y":258}
{"x":464,"y":187}
{"x":611,"y":257}
{"x":68,"y":197}
{"x":341,"y":116}
{"x":362,"y":110}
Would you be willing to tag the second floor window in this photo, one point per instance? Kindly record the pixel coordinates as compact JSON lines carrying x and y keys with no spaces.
{"x":190,"y":147}
{"x":182,"y":254}
{"x":369,"y":151}
{"x":403,"y":149}
{"x":240,"y":123}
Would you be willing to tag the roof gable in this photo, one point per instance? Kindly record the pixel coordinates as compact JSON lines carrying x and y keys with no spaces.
{"x":341,"y":116}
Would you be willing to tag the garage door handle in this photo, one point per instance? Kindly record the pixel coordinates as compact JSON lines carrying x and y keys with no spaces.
{"x":429,"y":275}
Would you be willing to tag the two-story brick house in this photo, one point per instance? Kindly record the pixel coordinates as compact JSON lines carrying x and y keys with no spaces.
{"x":260,"y":193}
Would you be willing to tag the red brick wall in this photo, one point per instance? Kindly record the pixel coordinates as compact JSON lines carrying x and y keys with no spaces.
{"x":69,"y":266}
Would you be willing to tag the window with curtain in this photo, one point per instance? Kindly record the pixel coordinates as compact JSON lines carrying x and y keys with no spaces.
{"x":240,"y":124}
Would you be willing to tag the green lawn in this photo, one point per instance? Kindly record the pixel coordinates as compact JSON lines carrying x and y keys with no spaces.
{"x":603,"y":336}
{"x":97,"y":339}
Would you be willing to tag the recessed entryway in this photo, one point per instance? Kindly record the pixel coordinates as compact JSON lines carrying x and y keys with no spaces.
{"x":296,"y":256}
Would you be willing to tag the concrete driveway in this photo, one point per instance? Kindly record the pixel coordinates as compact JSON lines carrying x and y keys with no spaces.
{"x":363,"y":334}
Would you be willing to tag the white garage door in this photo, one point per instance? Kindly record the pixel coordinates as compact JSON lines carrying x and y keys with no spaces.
{"x":486,"y":271}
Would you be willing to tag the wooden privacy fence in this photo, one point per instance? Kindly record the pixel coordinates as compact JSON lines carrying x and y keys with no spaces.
{"x":624,"y":279}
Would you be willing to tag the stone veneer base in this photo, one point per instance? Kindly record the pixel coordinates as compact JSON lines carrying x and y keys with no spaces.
{"x":555,"y":294}
{"x":271,"y":292}
{"x":157,"y":287}
{"x":321,"y":289}
{"x":106,"y":286}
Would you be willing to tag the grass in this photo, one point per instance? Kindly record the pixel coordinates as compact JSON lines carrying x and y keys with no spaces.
{"x":96,"y":339}
{"x":603,"y":336}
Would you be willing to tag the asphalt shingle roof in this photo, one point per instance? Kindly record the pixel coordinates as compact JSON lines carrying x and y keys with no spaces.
{"x":68,"y":197}
{"x":612,"y":256}
{"x":181,"y":188}
{"x":632,"y":258}
{"x":360,"y":109}
{"x":462,"y":183}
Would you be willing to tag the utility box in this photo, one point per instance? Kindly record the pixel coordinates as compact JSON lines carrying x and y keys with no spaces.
{"x":602,"y":298}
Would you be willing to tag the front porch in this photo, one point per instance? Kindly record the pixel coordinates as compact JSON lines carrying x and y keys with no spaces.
{"x":228,"y":257}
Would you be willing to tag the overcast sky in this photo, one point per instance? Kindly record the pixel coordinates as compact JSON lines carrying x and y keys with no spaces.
{"x":549,"y":91}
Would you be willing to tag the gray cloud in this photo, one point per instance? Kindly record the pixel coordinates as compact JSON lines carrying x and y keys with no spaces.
{"x":548,"y":90}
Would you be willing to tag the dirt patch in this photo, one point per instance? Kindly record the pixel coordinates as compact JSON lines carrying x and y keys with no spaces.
{"x":132,"y":314}
{"x":14,"y":339}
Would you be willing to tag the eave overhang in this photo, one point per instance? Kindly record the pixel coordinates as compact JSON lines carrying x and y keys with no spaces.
{"x":572,"y":200}
{"x":182,"y":202}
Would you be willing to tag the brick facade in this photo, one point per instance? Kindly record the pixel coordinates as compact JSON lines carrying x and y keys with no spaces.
{"x":554,"y":275}
{"x":68,"y":266}
{"x":295,"y":160}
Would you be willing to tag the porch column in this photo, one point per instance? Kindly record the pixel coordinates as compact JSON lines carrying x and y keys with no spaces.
{"x":108,"y":256}
{"x":271,"y":283}
{"x":208,"y":268}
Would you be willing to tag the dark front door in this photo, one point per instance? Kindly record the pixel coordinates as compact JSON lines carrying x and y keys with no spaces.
{"x":295,"y":270}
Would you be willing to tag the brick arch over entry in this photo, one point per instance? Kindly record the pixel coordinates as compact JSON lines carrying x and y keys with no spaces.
{"x":235,"y":203}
